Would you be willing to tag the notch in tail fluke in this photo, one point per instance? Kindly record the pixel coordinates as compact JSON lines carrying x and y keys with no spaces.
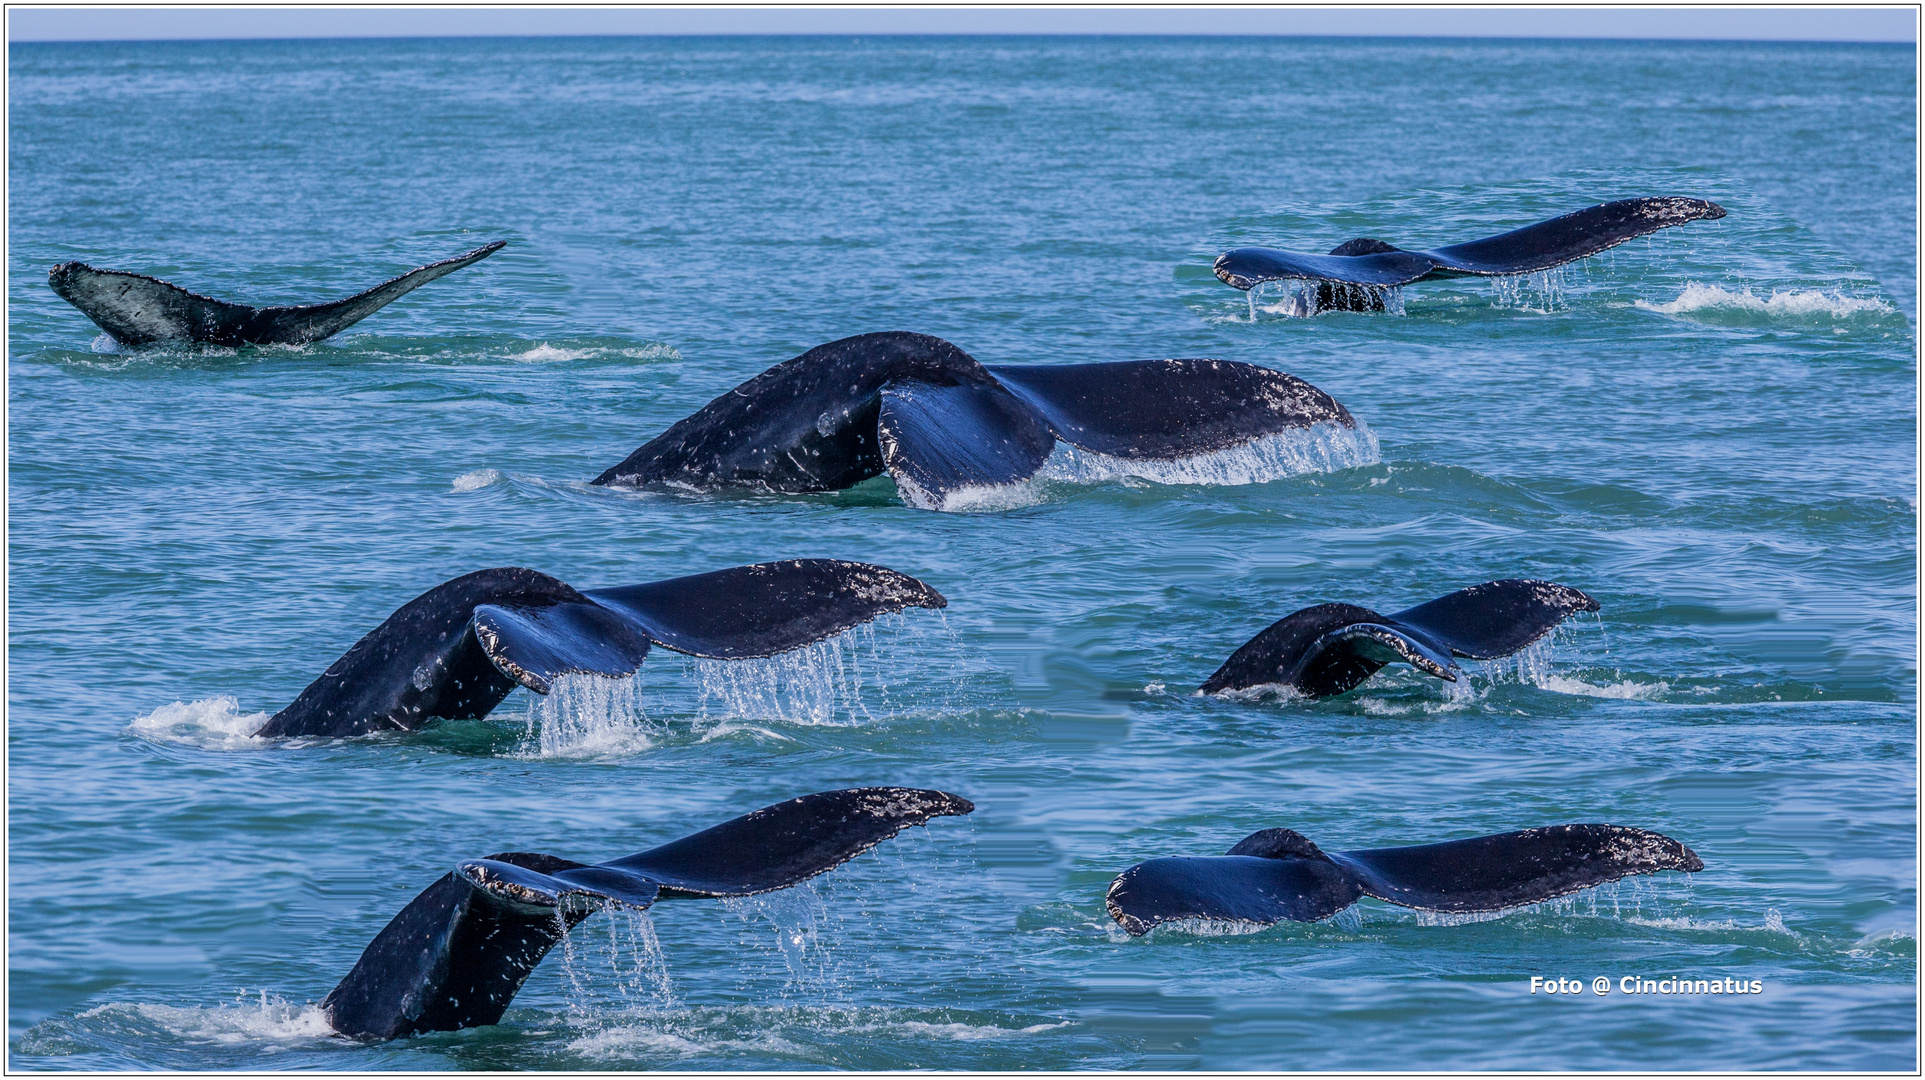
{"x":1377,"y":265}
{"x":1329,"y":649}
{"x":1276,"y":875}
{"x":457,"y":650}
{"x":458,"y":953}
{"x":139,"y":310}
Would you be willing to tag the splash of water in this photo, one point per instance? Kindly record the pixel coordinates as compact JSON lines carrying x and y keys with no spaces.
{"x":1298,"y":298}
{"x":1541,"y":291}
{"x":821,"y":684}
{"x":208,"y":724}
{"x":795,"y":918}
{"x":588,"y":716}
{"x":478,"y":479}
{"x":543,"y":352}
{"x":1319,"y":448}
{"x":1205,"y":928}
{"x":634,"y":955}
{"x":1781,"y":304}
{"x":267,"y":1023}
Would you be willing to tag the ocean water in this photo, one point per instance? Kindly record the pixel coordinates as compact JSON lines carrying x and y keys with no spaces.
{"x":1712,"y":431}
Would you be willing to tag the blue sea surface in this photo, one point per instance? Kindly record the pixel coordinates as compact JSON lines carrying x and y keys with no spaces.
{"x":1712,"y":431}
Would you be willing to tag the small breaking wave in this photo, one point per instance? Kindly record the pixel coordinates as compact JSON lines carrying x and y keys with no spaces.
{"x":476,"y":480}
{"x":1623,"y":690}
{"x":802,"y":1033}
{"x":1783,"y":304}
{"x":215,"y":723}
{"x":543,"y":352}
{"x":265,"y":1025}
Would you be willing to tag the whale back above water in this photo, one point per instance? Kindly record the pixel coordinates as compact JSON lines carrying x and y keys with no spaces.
{"x":1371,"y":265}
{"x":456,"y":651}
{"x":938,"y":422}
{"x":456,"y":955}
{"x":139,"y":310}
{"x":1277,"y":875}
{"x":1329,"y":649}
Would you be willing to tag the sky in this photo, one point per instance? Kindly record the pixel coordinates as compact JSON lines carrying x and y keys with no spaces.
{"x":1888,"y":24}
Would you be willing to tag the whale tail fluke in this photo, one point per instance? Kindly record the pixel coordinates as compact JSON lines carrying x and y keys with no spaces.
{"x":1572,"y":236}
{"x":1496,"y":618}
{"x":1263,"y":881}
{"x":766,"y":608}
{"x":940,"y":440}
{"x":1330,"y":649}
{"x":1543,"y":246}
{"x":298,"y":325}
{"x":940,"y":423}
{"x":1166,"y":409}
{"x":456,"y":955}
{"x":140,"y":310}
{"x":457,"y":650}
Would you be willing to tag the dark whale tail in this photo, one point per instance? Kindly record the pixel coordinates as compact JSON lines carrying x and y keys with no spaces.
{"x":458,"y":953}
{"x":1276,"y":875}
{"x":1330,"y":648}
{"x":1376,"y":265}
{"x":923,"y":410}
{"x":457,"y":650}
{"x":140,"y":310}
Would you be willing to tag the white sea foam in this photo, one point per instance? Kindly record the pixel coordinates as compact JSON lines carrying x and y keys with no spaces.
{"x":922,"y":1029}
{"x":478,"y":479}
{"x":752,"y":1030}
{"x":265,"y":1020}
{"x":1781,"y":304}
{"x":1624,"y":690}
{"x":210,"y":724}
{"x":543,"y":352}
{"x":1883,"y":944}
{"x":1260,"y":692}
{"x":1773,"y":923}
{"x":650,"y":1035}
{"x":1208,"y":928}
{"x":971,"y":498}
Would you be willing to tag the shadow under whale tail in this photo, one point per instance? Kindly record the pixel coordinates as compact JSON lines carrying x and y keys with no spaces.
{"x":1547,"y":244}
{"x":457,"y":650}
{"x":1329,"y":649}
{"x":140,"y":310}
{"x":458,"y":953}
{"x":1276,"y":875}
